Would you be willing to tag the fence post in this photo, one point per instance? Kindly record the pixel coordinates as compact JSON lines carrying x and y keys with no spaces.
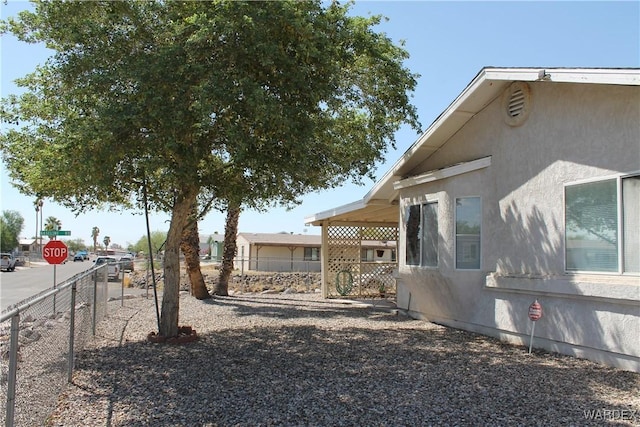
{"x":72,"y":330}
{"x":95,"y":302}
{"x":13,"y":369}
{"x":122,"y":288}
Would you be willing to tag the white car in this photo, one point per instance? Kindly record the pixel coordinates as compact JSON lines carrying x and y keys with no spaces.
{"x":8,"y":262}
{"x":113,"y":266}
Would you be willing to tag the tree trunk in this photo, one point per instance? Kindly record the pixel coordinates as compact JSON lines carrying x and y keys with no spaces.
{"x":190,"y":246}
{"x":229,"y":251}
{"x":171,"y":293}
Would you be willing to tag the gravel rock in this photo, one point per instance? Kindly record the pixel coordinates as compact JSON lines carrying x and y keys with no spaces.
{"x":299,"y":360}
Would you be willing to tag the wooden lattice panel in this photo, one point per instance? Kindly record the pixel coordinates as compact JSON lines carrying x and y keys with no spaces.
{"x":347,"y":275}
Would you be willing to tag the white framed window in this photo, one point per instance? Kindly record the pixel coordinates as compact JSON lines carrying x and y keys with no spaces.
{"x":422,"y":234}
{"x":468,"y":231}
{"x":367,"y":254}
{"x":602,"y":225}
{"x":311,"y":254}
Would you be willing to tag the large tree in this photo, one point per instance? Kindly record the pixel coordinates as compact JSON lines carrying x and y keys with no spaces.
{"x":266,"y":100}
{"x":11,"y":225}
{"x":229,"y":249}
{"x":95,"y":232}
{"x":52,"y":223}
{"x":190,"y":246}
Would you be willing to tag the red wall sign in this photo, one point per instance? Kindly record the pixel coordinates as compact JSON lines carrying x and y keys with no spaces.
{"x":55,"y":252}
{"x":535,"y":311}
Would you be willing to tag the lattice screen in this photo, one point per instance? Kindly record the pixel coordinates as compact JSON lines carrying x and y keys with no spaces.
{"x":348,"y":275}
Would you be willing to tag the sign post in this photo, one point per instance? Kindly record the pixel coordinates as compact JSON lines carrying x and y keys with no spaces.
{"x":535,"y":313}
{"x":55,"y":252}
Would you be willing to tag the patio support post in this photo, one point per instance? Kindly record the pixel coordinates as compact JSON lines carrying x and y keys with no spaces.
{"x":324,"y":258}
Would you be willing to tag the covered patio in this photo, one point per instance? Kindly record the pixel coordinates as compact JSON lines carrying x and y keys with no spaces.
{"x":359,"y":249}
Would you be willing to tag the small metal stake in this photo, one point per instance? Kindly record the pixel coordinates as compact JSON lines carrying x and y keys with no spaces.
{"x":533,"y":328}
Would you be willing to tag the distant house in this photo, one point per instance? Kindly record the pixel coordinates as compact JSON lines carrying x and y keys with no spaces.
{"x":527,"y":187}
{"x":28,"y":247}
{"x":211,"y":246}
{"x":278,"y":252}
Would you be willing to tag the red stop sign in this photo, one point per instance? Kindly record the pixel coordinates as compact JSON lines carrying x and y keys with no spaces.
{"x":55,"y":252}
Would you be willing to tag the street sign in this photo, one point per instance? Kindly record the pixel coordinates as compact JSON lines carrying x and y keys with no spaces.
{"x":55,"y":252}
{"x":55,"y":233}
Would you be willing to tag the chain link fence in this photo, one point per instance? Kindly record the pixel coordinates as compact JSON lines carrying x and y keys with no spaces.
{"x":39,"y":339}
{"x":276,"y":265}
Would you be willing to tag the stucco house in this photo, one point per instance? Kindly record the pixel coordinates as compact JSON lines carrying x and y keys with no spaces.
{"x":277,"y":252}
{"x":527,"y":187}
{"x":28,"y":247}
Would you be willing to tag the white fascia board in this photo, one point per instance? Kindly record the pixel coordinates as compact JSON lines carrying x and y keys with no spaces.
{"x":349,"y":207}
{"x":447,"y":172}
{"x":614,"y":76}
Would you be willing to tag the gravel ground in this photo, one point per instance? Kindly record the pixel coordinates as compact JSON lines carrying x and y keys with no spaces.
{"x":299,"y":360}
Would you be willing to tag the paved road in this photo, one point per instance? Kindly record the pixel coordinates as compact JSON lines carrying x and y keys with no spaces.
{"x":31,"y":279}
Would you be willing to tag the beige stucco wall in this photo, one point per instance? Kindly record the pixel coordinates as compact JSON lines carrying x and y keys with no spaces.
{"x":573,"y":132}
{"x":272,"y":258}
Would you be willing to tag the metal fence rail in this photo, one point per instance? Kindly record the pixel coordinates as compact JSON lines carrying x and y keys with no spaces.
{"x":277,"y":264}
{"x":39,"y":339}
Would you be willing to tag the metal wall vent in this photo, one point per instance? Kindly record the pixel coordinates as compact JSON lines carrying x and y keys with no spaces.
{"x":516,"y":103}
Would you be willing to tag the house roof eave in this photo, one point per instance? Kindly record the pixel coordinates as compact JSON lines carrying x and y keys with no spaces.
{"x":487,"y":85}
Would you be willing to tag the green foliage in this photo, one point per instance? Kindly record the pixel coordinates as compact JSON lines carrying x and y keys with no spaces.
{"x":52,"y":223}
{"x":246,"y":103}
{"x":11,"y":225}
{"x":463,"y":227}
{"x":261,"y":101}
{"x":75,"y":245}
{"x":157,"y":243}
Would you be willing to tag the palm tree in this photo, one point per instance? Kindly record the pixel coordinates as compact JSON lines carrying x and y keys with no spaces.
{"x":52,"y":223}
{"x":95,"y":231}
{"x":106,"y":242}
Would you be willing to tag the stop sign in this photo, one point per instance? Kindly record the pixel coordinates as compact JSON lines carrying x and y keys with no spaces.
{"x":55,"y":252}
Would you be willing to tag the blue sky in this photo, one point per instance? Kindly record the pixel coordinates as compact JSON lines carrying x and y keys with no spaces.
{"x":449,"y":43}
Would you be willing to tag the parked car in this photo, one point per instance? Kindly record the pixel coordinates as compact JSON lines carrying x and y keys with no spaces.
{"x":78,"y":257}
{"x":83,"y":254}
{"x":126,"y":262}
{"x":8,"y":262}
{"x":113,"y":268}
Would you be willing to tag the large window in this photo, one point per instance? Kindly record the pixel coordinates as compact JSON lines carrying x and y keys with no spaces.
{"x":602,"y":225}
{"x":468,"y":220}
{"x":422,"y":235}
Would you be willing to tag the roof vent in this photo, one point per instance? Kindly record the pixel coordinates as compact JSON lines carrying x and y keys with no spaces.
{"x":516,"y":102}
